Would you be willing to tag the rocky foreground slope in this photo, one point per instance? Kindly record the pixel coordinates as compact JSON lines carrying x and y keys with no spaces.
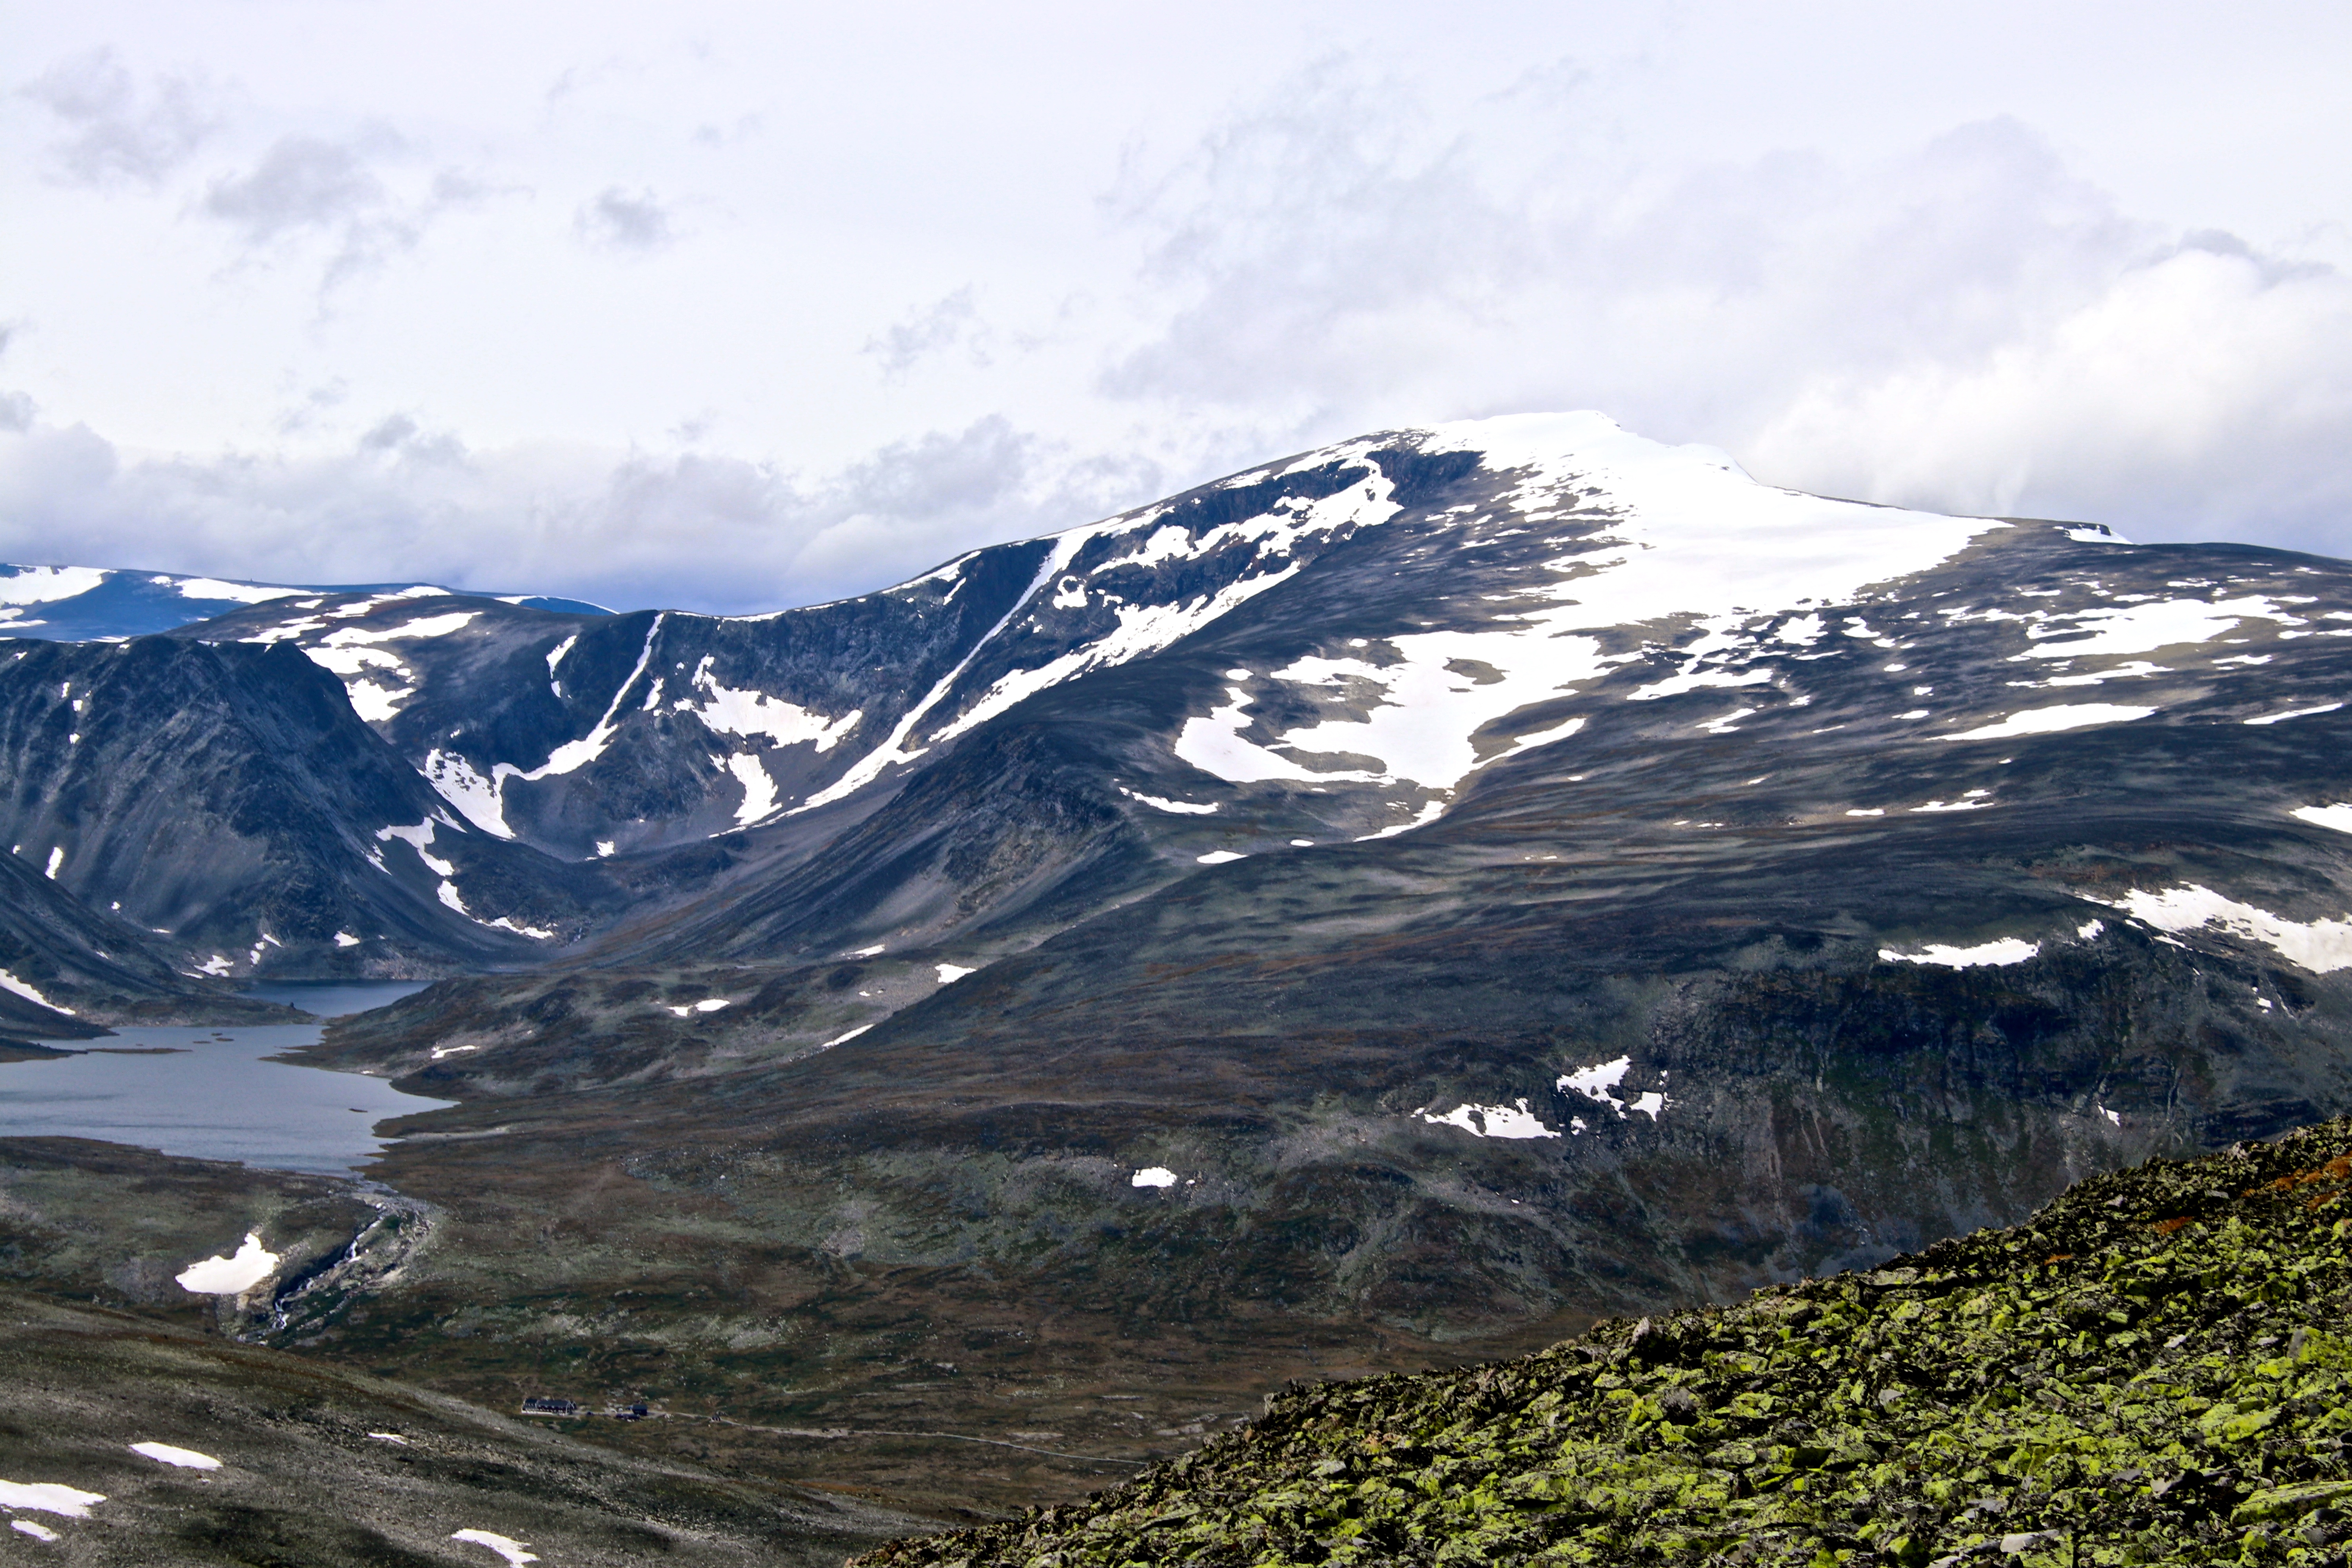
{"x":2153,"y":1369}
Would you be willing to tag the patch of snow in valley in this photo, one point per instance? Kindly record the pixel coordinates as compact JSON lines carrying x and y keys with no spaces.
{"x":708,"y":1005}
{"x":2004,"y":951}
{"x":555,"y":656}
{"x":1595,"y":1082}
{"x":232,"y":1276}
{"x":2049,"y":720}
{"x":1220,"y":857}
{"x":48,"y":1497}
{"x":57,"y":859}
{"x":170,"y":1454}
{"x":1152,"y":1176}
{"x":505,"y":1546}
{"x":1515,"y":1120}
{"x":2322,"y":946}
{"x":951,"y":973}
{"x":845,"y":1038}
{"x":10,"y":982}
{"x":27,"y":1527}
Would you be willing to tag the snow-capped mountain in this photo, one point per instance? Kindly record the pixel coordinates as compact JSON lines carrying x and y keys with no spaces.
{"x":88,"y":604}
{"x":1435,"y":886}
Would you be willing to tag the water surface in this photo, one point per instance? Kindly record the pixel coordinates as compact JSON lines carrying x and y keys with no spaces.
{"x":209,"y":1094}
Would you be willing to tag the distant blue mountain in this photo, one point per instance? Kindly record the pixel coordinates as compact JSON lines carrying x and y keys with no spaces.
{"x":93,"y":604}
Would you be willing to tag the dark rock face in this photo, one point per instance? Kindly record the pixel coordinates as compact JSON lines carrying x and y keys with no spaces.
{"x":225,"y":803}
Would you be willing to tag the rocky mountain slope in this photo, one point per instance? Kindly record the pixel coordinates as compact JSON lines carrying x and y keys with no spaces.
{"x":2153,"y":1369}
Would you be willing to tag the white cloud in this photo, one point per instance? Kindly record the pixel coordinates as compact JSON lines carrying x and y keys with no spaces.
{"x":617,"y":220}
{"x":116,"y":130}
{"x":1003,"y":274}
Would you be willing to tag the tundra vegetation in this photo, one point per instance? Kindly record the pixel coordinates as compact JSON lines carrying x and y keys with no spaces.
{"x":2153,"y":1369}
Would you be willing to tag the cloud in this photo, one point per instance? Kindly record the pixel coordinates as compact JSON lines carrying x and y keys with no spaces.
{"x":301,"y":182}
{"x":335,"y":190}
{"x":1966,"y":325}
{"x":618,"y":221}
{"x":624,"y":529}
{"x":945,"y":325}
{"x":115,"y":132}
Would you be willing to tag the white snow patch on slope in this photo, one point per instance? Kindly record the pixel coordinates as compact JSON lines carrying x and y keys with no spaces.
{"x":2321,"y":946}
{"x":1595,"y":1082}
{"x":172,"y":1454}
{"x":1515,"y":1120}
{"x":2005,"y":950}
{"x":2144,"y":628}
{"x":420,"y":838}
{"x":46,"y":584}
{"x":2296,"y":713}
{"x":2049,"y":720}
{"x":505,"y":1546}
{"x":233,"y":1276}
{"x":57,"y":859}
{"x":2338,"y":817}
{"x":951,"y":973}
{"x":214,"y":588}
{"x":10,"y":982}
{"x":730,"y":711}
{"x":1152,"y":1176}
{"x":1429,"y":813}
{"x":707,"y":1004}
{"x":1220,"y":857}
{"x":48,"y":1497}
{"x":27,"y":1527}
{"x":1180,"y":808}
{"x":476,"y":797}
{"x":759,"y":788}
{"x":555,"y":654}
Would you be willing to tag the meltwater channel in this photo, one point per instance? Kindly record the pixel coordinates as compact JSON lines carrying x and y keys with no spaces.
{"x":211,"y":1094}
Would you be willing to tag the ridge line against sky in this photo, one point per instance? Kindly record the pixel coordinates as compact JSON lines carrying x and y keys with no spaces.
{"x":732,"y":309}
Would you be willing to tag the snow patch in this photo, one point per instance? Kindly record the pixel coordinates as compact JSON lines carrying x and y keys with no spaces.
{"x":1514,"y":1120}
{"x":57,"y":859}
{"x":2144,"y":628}
{"x":759,"y":788}
{"x":345,"y":939}
{"x":2321,"y":946}
{"x":505,"y":1546}
{"x":48,"y":1497}
{"x":1152,"y":1176}
{"x":420,"y":838}
{"x":732,"y":712}
{"x":168,"y":1453}
{"x":2295,"y":713}
{"x":845,"y":1039}
{"x":1220,"y":857}
{"x":951,"y":973}
{"x":2049,"y":720}
{"x":27,"y":1527}
{"x":707,"y":1004}
{"x":233,"y":1276}
{"x":2005,"y":950}
{"x":214,"y":588}
{"x":2338,"y":817}
{"x":10,"y":982}
{"x":1180,"y":808}
{"x":47,"y":584}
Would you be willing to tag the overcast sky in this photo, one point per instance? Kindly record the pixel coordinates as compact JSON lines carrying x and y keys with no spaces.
{"x":738,"y":305}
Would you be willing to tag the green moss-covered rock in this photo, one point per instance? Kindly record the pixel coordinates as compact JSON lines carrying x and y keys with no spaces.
{"x":2158,"y":1368}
